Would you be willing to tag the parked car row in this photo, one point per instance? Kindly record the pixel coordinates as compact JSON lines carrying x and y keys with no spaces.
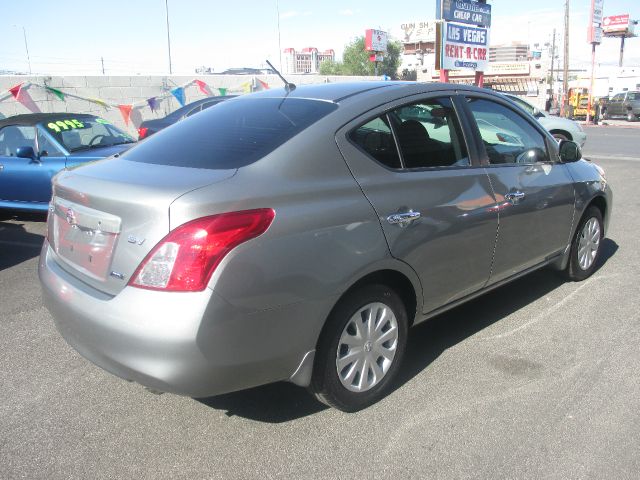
{"x":625,"y":104}
{"x":34,"y":147}
{"x":297,"y":234}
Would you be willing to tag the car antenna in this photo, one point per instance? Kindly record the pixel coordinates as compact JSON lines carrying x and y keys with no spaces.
{"x":289,"y":87}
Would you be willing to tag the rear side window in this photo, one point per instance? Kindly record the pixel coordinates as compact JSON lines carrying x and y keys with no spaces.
{"x":376,"y":139}
{"x":234,"y":134}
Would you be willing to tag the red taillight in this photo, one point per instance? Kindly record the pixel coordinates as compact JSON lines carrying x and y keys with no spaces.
{"x":142,"y":132}
{"x":186,"y":258}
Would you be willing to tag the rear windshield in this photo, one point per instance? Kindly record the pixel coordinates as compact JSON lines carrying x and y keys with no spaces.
{"x":234,"y":134}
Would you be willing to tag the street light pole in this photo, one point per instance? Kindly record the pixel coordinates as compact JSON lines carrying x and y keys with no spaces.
{"x":565,"y":79}
{"x":26,"y":46}
{"x":279,"y":46}
{"x":166,"y":7}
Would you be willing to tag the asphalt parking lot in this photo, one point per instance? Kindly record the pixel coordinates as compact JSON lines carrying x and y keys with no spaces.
{"x":538,"y":379}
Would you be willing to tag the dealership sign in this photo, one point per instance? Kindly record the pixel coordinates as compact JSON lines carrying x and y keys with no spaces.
{"x":616,"y":23}
{"x":466,"y":11}
{"x":464,"y":47}
{"x":375,"y":41}
{"x":596,"y":11}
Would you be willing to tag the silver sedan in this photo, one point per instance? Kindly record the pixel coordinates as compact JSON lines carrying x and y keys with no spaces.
{"x":298,"y":234}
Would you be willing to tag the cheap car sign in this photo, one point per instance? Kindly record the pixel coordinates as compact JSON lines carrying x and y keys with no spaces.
{"x":464,"y":47}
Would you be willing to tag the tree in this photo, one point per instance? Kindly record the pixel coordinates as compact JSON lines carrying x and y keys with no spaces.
{"x":355,"y":61}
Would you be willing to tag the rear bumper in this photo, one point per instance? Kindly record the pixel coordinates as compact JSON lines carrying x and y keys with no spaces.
{"x":194,"y":344}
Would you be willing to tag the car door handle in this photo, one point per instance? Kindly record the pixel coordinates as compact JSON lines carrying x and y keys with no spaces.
{"x":514,"y":197}
{"x":403,"y":219}
{"x":1,"y":167}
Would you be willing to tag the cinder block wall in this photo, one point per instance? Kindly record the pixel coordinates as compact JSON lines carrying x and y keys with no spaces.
{"x":130,"y":90}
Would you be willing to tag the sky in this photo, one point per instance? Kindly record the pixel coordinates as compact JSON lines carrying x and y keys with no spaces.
{"x":71,"y":37}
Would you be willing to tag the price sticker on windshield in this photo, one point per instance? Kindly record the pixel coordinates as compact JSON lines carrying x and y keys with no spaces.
{"x":62,"y":125}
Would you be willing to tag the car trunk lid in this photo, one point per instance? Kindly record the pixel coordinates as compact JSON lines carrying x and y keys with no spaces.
{"x":106,"y":216}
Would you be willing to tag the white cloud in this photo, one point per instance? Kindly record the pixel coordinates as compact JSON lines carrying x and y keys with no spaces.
{"x":348,"y":12}
{"x":293,"y":14}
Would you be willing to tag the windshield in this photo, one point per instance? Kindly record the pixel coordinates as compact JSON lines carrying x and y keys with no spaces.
{"x":234,"y":134}
{"x":84,"y":133}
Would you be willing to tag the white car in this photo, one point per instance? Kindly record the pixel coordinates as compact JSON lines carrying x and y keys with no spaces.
{"x":560,"y":128}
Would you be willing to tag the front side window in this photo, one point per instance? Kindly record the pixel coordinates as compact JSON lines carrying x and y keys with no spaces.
{"x":14,"y":136}
{"x":46,"y":147}
{"x":508,"y":137}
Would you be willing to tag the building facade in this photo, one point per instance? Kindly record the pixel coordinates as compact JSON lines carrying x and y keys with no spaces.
{"x":515,"y":52}
{"x":306,"y":61}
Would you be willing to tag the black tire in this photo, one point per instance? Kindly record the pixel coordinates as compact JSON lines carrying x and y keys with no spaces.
{"x":559,"y":136}
{"x":326,"y":384}
{"x":631,"y":117}
{"x":574,"y":271}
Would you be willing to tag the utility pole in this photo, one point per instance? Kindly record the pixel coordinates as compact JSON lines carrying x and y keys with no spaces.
{"x":102,"y":61}
{"x":621,"y":50}
{"x":166,"y":7}
{"x":279,"y":46}
{"x":553,"y":58}
{"x":565,"y":79}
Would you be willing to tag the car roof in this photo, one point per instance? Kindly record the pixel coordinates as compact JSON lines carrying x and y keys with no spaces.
{"x":30,"y":119}
{"x":337,"y":92}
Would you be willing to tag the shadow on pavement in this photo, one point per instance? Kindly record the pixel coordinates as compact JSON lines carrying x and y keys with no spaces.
{"x":282,"y":402}
{"x":16,"y":243}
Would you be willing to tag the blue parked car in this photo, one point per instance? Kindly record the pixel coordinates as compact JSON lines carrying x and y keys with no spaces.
{"x":34,"y":147}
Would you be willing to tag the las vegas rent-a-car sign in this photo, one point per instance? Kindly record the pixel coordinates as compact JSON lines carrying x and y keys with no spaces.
{"x":464,"y":46}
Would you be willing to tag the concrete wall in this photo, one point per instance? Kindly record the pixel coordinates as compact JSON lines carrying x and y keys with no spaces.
{"x":129,"y":90}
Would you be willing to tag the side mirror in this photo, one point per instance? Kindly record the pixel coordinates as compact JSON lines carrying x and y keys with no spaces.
{"x":26,"y":152}
{"x":569,"y":151}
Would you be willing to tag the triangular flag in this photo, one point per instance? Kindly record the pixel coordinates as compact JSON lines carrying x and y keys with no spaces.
{"x":223,"y":91}
{"x":246,"y":87}
{"x":125,"y":110}
{"x":264,"y":85}
{"x":15,"y":91}
{"x":56,"y":92}
{"x":102,"y":103}
{"x":153,"y":103}
{"x":22,"y":96}
{"x":179,"y":94}
{"x":203,"y":87}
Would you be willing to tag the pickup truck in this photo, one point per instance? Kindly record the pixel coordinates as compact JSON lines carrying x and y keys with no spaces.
{"x":625,"y":104}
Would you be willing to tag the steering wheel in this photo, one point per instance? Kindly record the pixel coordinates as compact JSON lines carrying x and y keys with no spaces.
{"x":93,"y":140}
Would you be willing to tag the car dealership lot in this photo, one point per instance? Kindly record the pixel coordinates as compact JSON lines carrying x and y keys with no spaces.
{"x":536,"y":379}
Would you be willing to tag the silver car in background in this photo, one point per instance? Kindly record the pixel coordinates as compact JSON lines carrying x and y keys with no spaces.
{"x":297,"y":234}
{"x":560,"y":128}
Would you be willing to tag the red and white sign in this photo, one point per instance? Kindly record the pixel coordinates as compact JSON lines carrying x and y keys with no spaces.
{"x":615,"y":23}
{"x":375,"y":41}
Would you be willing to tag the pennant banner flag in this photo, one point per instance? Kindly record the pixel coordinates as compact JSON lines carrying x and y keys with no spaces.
{"x":15,"y":91}
{"x":56,"y":92}
{"x":179,"y":94}
{"x":223,"y":91}
{"x":99,"y":102}
{"x":264,"y":85}
{"x":246,"y":87}
{"x":153,"y":103}
{"x":22,"y":96}
{"x":125,"y":110}
{"x":203,"y":87}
